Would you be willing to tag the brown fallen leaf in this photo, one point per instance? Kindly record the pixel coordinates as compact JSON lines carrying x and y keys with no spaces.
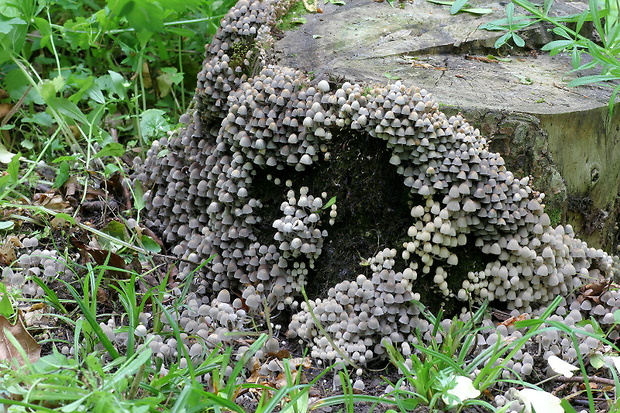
{"x":71,"y":187}
{"x":482,"y":59}
{"x":101,"y":258}
{"x":118,"y":190}
{"x":297,"y":367}
{"x":281,"y":354}
{"x":37,"y":318}
{"x":513,"y":320}
{"x":428,"y":66}
{"x":52,"y":200}
{"x":593,"y":291}
{"x":255,"y":377}
{"x":8,"y":351}
{"x":5,"y":108}
{"x":7,"y":254}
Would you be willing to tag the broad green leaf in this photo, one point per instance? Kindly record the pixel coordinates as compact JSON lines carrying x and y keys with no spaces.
{"x":561,"y":31}
{"x":12,"y":36}
{"x":20,"y":85}
{"x":85,"y":85}
{"x":597,"y":361}
{"x":457,"y":6}
{"x":518,"y":40}
{"x":45,"y":30}
{"x":182,"y":6}
{"x":557,"y":46}
{"x":110,"y":169}
{"x":299,"y":20}
{"x":575,"y":58}
{"x":502,"y":40}
{"x":591,"y":79}
{"x":96,"y":95}
{"x":6,"y":307}
{"x":477,"y":10}
{"x":68,"y":158}
{"x":111,"y":149}
{"x":499,"y":59}
{"x":62,"y":175}
{"x":114,"y":83}
{"x":68,"y":108}
{"x":5,"y":181}
{"x":116,"y":230}
{"x":13,"y":168}
{"x":6,"y":25}
{"x":39,"y":118}
{"x":138,"y":195}
{"x":142,"y":15}
{"x":170,"y":76}
{"x":153,"y":124}
{"x":66,"y":217}
{"x":6,"y":225}
{"x":50,"y":88}
{"x":149,"y":244}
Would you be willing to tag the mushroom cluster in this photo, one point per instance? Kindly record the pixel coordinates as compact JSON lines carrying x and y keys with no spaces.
{"x":254,"y":118}
{"x":34,"y":262}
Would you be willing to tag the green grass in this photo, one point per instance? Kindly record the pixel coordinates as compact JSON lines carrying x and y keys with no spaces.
{"x":89,"y":85}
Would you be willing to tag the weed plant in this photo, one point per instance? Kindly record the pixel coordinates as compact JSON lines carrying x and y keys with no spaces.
{"x":598,"y":49}
{"x":88,"y":83}
{"x":85,"y":82}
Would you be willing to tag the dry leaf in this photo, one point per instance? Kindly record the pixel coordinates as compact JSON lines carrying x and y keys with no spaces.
{"x":71,"y":186}
{"x":52,"y":200}
{"x":311,"y":5}
{"x":281,"y":379}
{"x":481,"y":59}
{"x":512,"y":320}
{"x":427,"y":66}
{"x":8,"y":352}
{"x":7,"y":254}
{"x":147,"y":81}
{"x":4,"y":109}
{"x":115,"y":187}
{"x":593,"y":291}
{"x":37,"y":318}
{"x":255,"y":376}
{"x":281,"y":354}
{"x":101,"y":258}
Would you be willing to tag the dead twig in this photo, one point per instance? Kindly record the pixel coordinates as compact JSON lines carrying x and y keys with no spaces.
{"x":579,"y":379}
